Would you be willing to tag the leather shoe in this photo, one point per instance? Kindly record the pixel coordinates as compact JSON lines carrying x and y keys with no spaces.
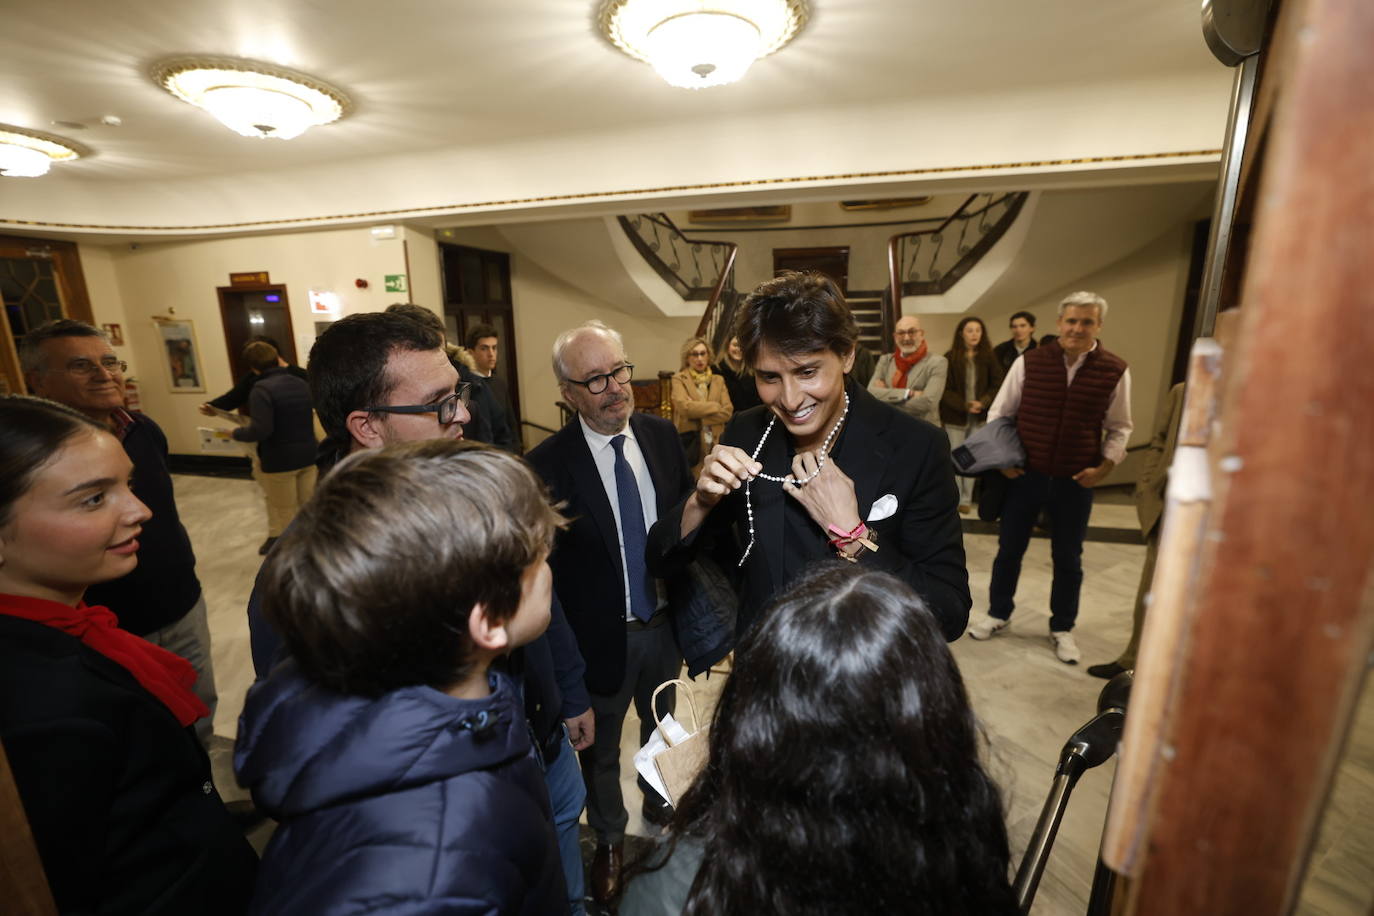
{"x":606,"y":865}
{"x":659,"y":814}
{"x":1106,"y":671}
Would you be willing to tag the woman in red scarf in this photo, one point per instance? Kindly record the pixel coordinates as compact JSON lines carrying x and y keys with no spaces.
{"x":93,"y":719}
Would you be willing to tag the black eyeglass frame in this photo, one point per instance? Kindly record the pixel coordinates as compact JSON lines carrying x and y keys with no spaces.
{"x":446,"y":405}
{"x":605,"y":379}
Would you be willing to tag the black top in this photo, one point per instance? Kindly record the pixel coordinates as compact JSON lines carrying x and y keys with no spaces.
{"x":1006,"y":352}
{"x":740,"y":386}
{"x":237,"y":396}
{"x":282,"y":424}
{"x":901,"y":469}
{"x":163,"y":587}
{"x":489,"y":422}
{"x":587,"y":573}
{"x":120,"y":798}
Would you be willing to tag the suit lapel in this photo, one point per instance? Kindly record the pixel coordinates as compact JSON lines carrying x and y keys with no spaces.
{"x":863,"y":455}
{"x":654,"y":461}
{"x":589,"y":490}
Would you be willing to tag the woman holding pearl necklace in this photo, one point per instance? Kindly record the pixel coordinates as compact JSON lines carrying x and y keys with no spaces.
{"x":822,"y":469}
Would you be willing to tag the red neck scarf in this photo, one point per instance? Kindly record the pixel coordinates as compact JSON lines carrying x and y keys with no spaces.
{"x":164,"y":674}
{"x":904,"y":364}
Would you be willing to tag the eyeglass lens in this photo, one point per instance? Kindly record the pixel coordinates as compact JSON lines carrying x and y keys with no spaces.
{"x":598,"y":383}
{"x":86,"y":367}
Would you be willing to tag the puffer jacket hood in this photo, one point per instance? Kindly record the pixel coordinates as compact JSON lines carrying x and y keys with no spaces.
{"x":413,"y":802}
{"x":302,"y":747}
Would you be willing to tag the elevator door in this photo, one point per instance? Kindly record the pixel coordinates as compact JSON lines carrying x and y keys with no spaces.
{"x":255,"y":312}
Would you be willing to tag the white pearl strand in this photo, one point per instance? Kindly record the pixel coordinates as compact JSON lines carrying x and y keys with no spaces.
{"x":820,"y":463}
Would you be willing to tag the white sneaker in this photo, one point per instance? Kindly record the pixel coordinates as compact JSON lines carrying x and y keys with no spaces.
{"x":1065,"y":648}
{"x":989,"y":625}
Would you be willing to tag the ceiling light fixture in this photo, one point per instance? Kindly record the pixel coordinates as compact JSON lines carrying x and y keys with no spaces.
{"x":694,"y":44}
{"x":251,"y":98}
{"x":28,"y":154}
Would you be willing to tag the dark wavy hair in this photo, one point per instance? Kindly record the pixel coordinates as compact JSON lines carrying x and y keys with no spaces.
{"x":794,"y":313}
{"x":32,"y":431}
{"x":958,"y":352}
{"x":844,"y":773}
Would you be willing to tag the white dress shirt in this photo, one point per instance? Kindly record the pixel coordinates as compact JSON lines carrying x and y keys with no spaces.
{"x":1117,"y":423}
{"x":603,"y":453}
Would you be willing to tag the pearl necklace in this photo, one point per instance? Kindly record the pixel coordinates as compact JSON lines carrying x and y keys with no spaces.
{"x":820,"y":463}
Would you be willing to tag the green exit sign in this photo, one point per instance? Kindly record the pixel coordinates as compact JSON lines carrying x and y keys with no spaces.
{"x":396,"y":283}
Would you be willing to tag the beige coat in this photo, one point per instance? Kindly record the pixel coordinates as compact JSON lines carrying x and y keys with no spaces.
{"x":704,"y":416}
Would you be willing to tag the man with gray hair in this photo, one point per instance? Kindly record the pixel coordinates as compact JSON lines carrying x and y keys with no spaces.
{"x":617,"y":471}
{"x":1072,"y":402}
{"x":72,"y":363}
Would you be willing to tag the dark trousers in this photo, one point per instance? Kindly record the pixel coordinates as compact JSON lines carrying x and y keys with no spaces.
{"x":1069,"y":506}
{"x":651,"y":657}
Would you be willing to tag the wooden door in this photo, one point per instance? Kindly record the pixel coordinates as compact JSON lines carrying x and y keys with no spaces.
{"x":40,"y":280}
{"x":477,"y":291}
{"x":256,"y":311}
{"x":833,"y":262}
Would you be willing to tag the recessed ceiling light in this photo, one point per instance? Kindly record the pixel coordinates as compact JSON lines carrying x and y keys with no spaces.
{"x":28,"y":153}
{"x":699,"y":43}
{"x":251,"y":98}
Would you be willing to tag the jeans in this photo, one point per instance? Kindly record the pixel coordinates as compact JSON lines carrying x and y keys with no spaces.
{"x":1069,"y":506}
{"x":568,"y":793}
{"x":189,"y":637}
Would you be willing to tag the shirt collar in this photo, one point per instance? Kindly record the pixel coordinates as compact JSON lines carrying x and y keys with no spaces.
{"x":1077,"y":360}
{"x":596,"y":441}
{"x":121,"y":420}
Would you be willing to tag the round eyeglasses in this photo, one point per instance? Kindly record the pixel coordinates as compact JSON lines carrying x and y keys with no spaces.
{"x":598,"y":383}
{"x":446,"y":408}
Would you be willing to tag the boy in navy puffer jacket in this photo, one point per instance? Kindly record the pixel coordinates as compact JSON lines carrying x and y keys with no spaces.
{"x":397,"y":762}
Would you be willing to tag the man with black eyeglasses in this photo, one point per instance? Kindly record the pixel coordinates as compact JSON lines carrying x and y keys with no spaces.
{"x":72,"y":363}
{"x":617,"y":470}
{"x":383,"y":377}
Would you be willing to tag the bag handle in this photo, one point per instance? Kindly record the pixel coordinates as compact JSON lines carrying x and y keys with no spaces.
{"x":691,"y":704}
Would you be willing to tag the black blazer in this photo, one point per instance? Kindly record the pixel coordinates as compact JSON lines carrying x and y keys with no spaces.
{"x":587,"y":573}
{"x":119,"y":795}
{"x":886,"y":452}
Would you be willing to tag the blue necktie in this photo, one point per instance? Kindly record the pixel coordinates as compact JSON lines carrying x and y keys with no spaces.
{"x":643,"y":597}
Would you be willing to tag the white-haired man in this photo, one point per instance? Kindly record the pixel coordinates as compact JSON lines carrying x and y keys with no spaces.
{"x":1072,"y":402}
{"x":618,"y":471}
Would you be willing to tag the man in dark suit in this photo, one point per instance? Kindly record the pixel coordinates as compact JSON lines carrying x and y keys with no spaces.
{"x":618,"y":471}
{"x":838,"y":474}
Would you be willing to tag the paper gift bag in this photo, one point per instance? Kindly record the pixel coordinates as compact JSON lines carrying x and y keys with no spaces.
{"x":682,"y":754}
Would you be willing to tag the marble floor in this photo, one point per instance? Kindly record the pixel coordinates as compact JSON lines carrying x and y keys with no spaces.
{"x":1029,"y":702}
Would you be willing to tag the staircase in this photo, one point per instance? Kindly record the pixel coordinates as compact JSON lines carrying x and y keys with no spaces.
{"x":867,"y":309}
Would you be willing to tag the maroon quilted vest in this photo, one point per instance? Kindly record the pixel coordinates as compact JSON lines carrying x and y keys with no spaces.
{"x":1061,"y":424}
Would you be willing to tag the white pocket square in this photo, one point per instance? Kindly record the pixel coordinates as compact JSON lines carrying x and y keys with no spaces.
{"x":885,"y":507}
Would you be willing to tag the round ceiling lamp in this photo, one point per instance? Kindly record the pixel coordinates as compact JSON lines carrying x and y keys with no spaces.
{"x":251,"y":98}
{"x":695,"y":44}
{"x":29,"y":154}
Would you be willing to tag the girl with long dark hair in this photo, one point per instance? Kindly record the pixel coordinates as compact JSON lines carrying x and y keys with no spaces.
{"x":974,"y":377}
{"x":95,"y":720}
{"x":844,"y":773}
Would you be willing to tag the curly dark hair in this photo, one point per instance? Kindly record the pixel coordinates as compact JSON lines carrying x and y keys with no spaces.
{"x":844,"y":773}
{"x":958,"y":352}
{"x":794,"y":313}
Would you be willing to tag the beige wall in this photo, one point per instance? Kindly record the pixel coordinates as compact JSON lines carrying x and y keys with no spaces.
{"x":132,"y":284}
{"x":545,"y":306}
{"x":1144,"y":293}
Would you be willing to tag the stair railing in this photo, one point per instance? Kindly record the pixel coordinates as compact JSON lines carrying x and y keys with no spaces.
{"x":695,"y":269}
{"x":927,"y":262}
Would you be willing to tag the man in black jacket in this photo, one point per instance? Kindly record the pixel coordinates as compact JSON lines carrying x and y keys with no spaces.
{"x":1022,"y":339}
{"x":72,"y":363}
{"x":618,"y":471}
{"x":382,"y":377}
{"x":282,"y":425}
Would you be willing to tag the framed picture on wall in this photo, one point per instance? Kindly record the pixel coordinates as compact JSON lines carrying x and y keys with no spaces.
{"x":181,"y":355}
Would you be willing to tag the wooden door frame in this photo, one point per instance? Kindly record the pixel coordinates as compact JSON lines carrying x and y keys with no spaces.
{"x":71,"y":291}
{"x":220,"y":291}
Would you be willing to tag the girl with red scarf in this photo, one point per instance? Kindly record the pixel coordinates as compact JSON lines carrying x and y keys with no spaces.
{"x":93,"y":719}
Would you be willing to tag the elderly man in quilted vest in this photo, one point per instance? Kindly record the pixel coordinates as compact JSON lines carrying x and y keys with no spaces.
{"x":1072,"y":404}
